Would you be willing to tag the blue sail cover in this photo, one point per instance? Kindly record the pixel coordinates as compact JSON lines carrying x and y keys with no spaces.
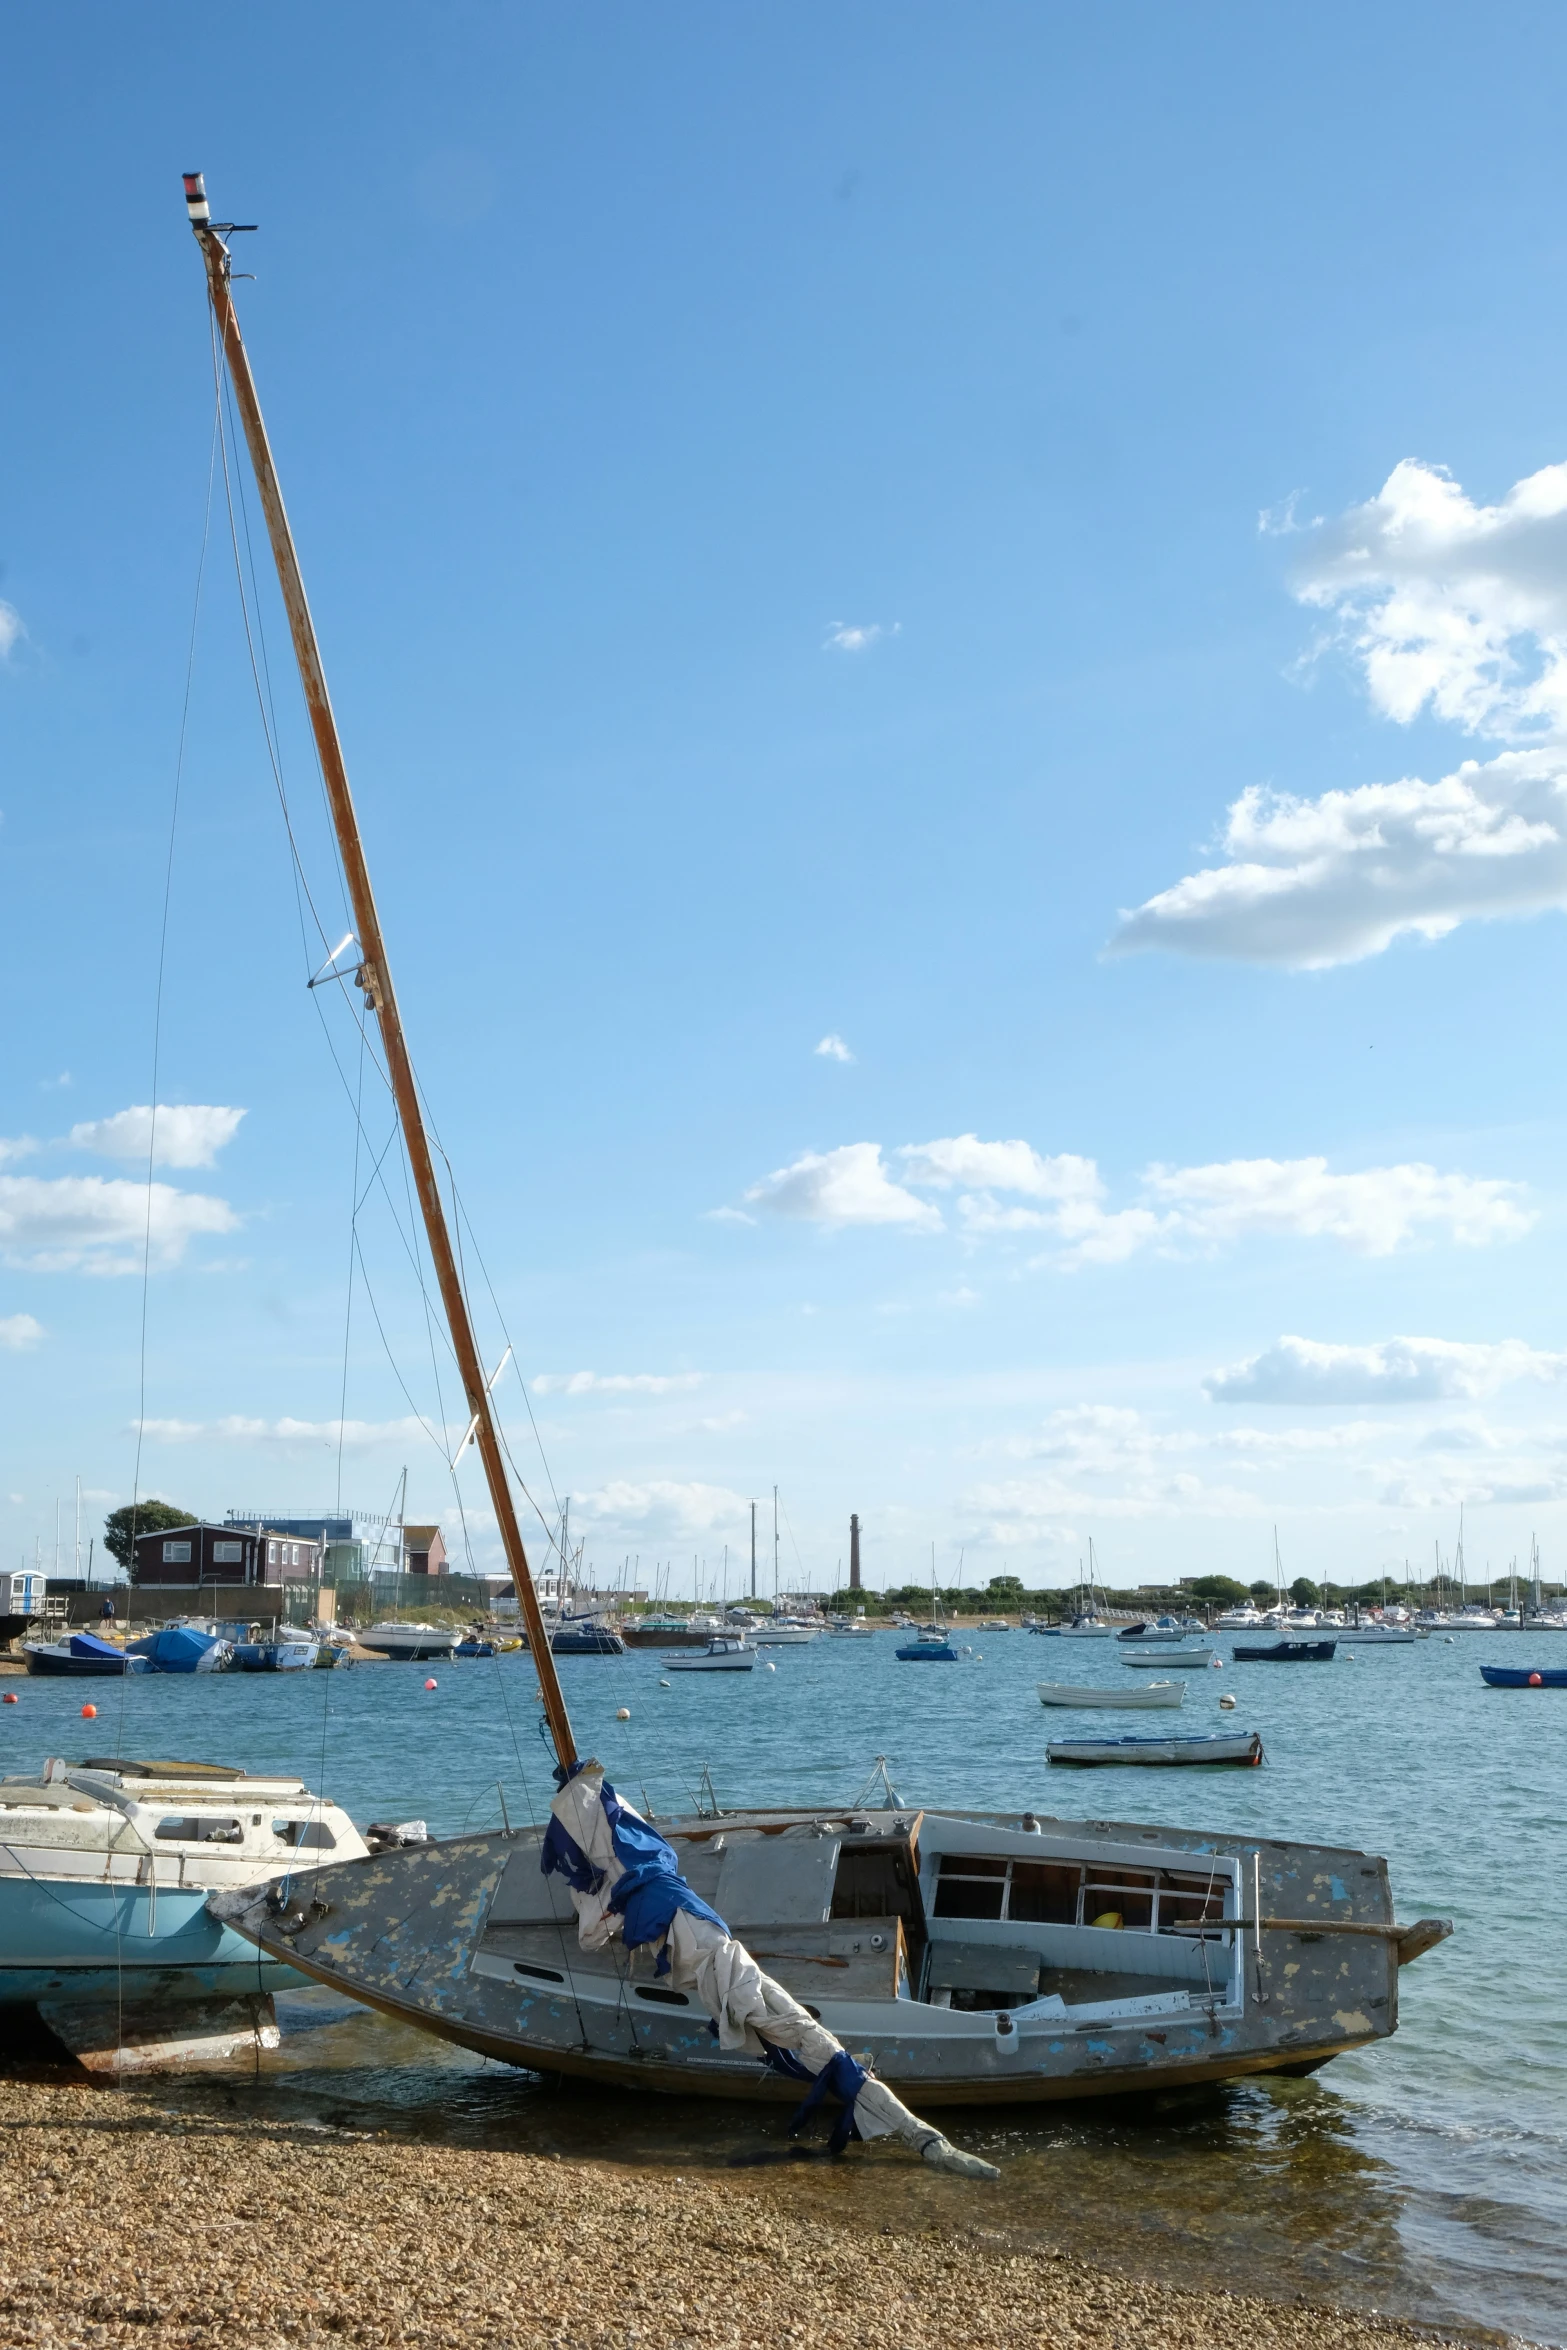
{"x":647,"y":1896}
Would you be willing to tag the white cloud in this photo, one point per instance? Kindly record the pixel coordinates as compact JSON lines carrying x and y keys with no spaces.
{"x":16,"y":1146}
{"x":187,"y":1134}
{"x":843,"y":1187}
{"x":99,"y":1224}
{"x":832,"y":1048}
{"x":615,"y":1382}
{"x":235,"y":1428}
{"x":1312,"y":883}
{"x":18,"y":1331}
{"x":847,"y":636}
{"x":1397,"y":1370}
{"x":1444,"y":606}
{"x":662,"y":1509}
{"x":11,"y":628}
{"x":1373,"y":1211}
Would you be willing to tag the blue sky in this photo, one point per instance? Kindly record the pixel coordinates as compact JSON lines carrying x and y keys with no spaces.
{"x":813,"y":516}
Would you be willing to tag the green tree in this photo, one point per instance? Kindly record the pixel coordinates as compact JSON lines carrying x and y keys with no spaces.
{"x":121,"y":1527}
{"x":1221,"y":1588}
{"x":1262,"y":1590}
{"x":1304,"y":1592}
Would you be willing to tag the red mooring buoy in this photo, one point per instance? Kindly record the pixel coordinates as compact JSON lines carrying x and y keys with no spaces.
{"x":432,"y":1684}
{"x":89,"y":1713}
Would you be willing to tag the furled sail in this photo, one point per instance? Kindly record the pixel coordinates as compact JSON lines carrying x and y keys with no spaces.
{"x":625,"y":1882}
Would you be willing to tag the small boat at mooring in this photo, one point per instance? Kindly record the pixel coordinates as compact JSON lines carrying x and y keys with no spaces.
{"x":726,"y":1653}
{"x":1285,"y":1652}
{"x":283,"y":1655}
{"x":586,"y":1636}
{"x":82,"y":1656}
{"x":408,"y":1644}
{"x":1188,"y":1658}
{"x":1212,"y":1746}
{"x":1131,"y":1697}
{"x":933,"y":1647}
{"x":1524,"y":1676}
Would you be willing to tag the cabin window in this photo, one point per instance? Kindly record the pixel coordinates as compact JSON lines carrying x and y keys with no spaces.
{"x":971,"y":1886}
{"x":305,"y":1835}
{"x":226,"y":1554}
{"x":176,"y":1554}
{"x":176,"y":1829}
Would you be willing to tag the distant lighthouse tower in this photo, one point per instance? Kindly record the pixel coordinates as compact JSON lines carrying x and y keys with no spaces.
{"x":854,"y":1554}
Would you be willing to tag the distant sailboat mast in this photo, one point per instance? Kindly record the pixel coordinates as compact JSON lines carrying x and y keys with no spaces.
{"x":374,"y":976}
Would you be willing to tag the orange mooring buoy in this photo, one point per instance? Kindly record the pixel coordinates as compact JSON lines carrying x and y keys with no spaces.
{"x":1535,"y":1681}
{"x":89,"y":1713}
{"x":10,"y":1698}
{"x":432,"y":1684}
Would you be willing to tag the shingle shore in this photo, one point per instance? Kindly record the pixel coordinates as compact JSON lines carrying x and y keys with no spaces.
{"x":123,"y":2221}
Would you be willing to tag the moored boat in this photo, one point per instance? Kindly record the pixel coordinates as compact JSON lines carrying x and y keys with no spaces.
{"x":1285,"y":1652}
{"x":408,"y":1644}
{"x":105,"y":1869}
{"x":1132,"y":1696}
{"x":82,"y":1656}
{"x":726,"y":1652}
{"x":1211,"y":1746}
{"x":934,"y":1646}
{"x":184,"y":1648}
{"x":1524,"y":1676}
{"x":586,"y":1636}
{"x":1184,"y":1658}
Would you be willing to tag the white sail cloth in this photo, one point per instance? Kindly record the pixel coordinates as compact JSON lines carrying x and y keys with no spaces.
{"x":746,"y":2004}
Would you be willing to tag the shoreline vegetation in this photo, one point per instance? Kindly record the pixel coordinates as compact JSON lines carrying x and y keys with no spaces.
{"x":141,"y":2216}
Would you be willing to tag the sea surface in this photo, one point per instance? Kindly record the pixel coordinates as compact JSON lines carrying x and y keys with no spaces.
{"x":1425,"y":2178}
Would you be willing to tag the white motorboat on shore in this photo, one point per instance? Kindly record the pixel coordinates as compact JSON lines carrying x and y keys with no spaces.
{"x":105,"y":1869}
{"x":409,"y":1644}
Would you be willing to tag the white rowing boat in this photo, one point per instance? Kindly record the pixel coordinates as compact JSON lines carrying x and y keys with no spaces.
{"x":1140,"y":1699}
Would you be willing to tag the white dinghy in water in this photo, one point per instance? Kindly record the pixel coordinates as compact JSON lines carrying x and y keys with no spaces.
{"x":957,"y":1956}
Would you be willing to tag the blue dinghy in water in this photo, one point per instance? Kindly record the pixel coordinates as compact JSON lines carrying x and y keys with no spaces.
{"x":1525,"y":1676}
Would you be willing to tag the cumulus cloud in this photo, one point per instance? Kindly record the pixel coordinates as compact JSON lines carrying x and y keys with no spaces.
{"x":1445,"y":606}
{"x":99,"y":1224}
{"x":832,"y":1048}
{"x":1373,"y":1212}
{"x":235,"y":1428}
{"x":11,"y":628}
{"x":843,"y":1187}
{"x":186,"y":1134}
{"x":615,"y":1382}
{"x":1065,"y":1200}
{"x":1396,"y":1370}
{"x":16,"y":1146}
{"x":18,"y":1331}
{"x":849,"y":636}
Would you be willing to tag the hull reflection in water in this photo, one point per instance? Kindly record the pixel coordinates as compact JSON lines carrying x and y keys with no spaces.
{"x":976,"y":1958}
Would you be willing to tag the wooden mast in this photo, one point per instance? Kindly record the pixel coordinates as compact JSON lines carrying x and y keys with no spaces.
{"x":374,"y":975}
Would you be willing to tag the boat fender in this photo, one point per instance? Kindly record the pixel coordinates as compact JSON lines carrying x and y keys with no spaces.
{"x":1108,"y":1917}
{"x":1227,"y":1705}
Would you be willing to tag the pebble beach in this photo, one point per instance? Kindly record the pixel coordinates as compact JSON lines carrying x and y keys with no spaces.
{"x":128,"y":2218}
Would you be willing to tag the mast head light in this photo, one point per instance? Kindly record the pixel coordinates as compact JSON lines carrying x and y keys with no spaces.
{"x":196,"y":199}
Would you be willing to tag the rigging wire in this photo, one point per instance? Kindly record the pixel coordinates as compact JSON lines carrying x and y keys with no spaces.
{"x":348,"y":1303}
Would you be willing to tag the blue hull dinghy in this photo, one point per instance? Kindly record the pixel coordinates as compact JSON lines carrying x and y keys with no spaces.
{"x":586,"y":1640}
{"x":1285,"y":1652}
{"x":1525,"y":1676}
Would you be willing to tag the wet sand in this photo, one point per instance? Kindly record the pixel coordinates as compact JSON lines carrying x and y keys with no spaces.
{"x":130,"y":2217}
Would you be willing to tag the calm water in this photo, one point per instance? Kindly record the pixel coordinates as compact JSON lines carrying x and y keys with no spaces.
{"x":1427,"y":2177}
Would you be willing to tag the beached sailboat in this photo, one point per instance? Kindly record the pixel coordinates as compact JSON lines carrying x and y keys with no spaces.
{"x":964,"y":1956}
